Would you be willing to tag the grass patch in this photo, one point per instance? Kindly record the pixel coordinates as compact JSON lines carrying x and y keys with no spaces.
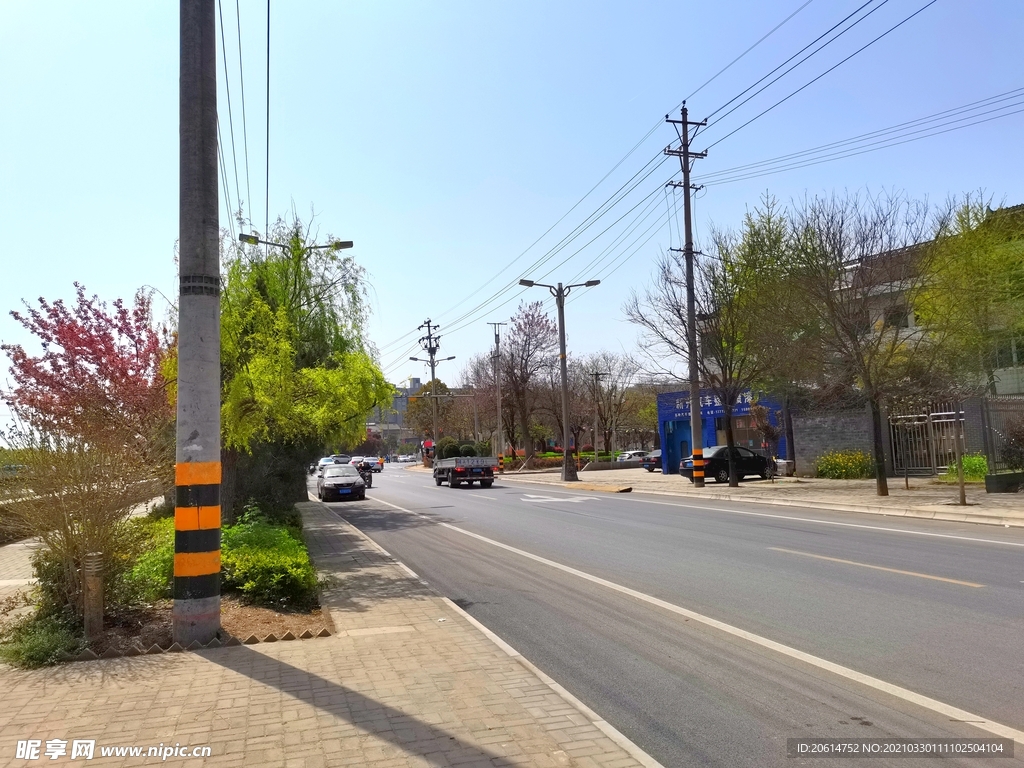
{"x":845,"y":465}
{"x":38,"y":640}
{"x":975,"y":469}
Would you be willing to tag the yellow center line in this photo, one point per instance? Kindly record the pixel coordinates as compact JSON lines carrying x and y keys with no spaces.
{"x":877,"y":567}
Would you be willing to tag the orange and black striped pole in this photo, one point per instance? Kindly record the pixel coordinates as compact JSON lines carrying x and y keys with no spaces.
{"x":196,"y":613}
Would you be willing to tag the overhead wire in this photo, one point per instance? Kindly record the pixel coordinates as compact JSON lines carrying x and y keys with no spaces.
{"x":943,"y":114}
{"x":241,"y":81}
{"x":827,"y":71}
{"x":854,"y":152}
{"x":809,"y":45}
{"x":395,"y":342}
{"x":231,"y":120}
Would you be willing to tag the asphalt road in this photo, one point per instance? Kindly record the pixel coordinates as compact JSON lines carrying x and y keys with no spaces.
{"x":934,"y":608}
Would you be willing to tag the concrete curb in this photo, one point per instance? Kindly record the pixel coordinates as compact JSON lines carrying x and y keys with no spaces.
{"x":916,"y":512}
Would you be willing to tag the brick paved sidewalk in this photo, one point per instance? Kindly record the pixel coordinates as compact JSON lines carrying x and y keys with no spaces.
{"x":407,"y":681}
{"x":15,"y":567}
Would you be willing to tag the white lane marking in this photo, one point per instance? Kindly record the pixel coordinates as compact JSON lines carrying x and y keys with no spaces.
{"x":573,"y":499}
{"x":899,"y":692}
{"x":609,"y":730}
{"x":633,"y":497}
{"x":831,"y":522}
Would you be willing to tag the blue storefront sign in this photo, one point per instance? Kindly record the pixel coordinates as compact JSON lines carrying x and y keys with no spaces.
{"x":674,"y":424}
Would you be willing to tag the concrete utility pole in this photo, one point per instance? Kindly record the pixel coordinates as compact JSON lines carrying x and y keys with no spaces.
{"x":431,"y":344}
{"x":499,"y":448}
{"x":197,"y":472}
{"x":685,"y":155}
{"x":560,"y":292}
{"x":597,"y":408}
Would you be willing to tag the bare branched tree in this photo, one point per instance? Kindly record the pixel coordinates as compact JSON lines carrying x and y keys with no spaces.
{"x":527,"y":352}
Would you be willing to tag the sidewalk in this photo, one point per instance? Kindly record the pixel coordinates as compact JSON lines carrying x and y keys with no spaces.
{"x":924,"y":499}
{"x":408,"y":680}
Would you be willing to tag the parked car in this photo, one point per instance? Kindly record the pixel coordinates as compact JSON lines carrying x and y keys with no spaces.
{"x":341,"y":458}
{"x":631,"y":455}
{"x":651,"y":461}
{"x":319,"y":467}
{"x":340,"y":481}
{"x":716,"y":464}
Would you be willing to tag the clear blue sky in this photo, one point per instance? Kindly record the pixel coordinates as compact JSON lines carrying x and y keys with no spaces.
{"x":445,"y":138}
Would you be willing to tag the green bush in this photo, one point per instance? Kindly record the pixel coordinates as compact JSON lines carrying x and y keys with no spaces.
{"x":467,"y":450}
{"x":483,"y":448}
{"x":268,"y":564}
{"x":442,"y":446}
{"x":845,"y":465}
{"x":1013,"y":444}
{"x":152,"y":575}
{"x":975,"y":469}
{"x":38,"y":640}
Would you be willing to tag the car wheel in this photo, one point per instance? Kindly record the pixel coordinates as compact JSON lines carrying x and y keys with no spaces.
{"x":438,"y":481}
{"x":362,"y":496}
{"x":722,"y":476}
{"x":649,"y":469}
{"x":319,"y":494}
{"x":486,"y":483}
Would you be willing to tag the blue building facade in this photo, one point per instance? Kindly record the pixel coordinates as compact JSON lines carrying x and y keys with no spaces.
{"x":674,"y":425}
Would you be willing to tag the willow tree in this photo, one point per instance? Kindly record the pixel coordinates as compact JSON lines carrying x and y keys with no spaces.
{"x":295,"y":370}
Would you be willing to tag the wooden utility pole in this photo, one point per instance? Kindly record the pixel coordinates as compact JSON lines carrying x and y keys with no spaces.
{"x":197,"y":474}
{"x":685,"y":155}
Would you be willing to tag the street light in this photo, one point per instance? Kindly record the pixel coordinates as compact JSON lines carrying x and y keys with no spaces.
{"x":560,"y":292}
{"x":336,"y":245}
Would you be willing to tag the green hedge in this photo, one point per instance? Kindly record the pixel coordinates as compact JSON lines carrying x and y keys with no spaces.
{"x":38,"y":640}
{"x":975,"y":469}
{"x":845,"y":465}
{"x":268,"y":564}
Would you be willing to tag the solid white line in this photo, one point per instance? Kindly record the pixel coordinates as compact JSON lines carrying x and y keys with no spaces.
{"x":607,"y":728}
{"x":926,"y":702}
{"x":834,"y":522}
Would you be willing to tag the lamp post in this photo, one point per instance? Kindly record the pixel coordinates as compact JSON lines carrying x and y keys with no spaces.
{"x":336,"y":245}
{"x":432,"y":362}
{"x":560,"y":292}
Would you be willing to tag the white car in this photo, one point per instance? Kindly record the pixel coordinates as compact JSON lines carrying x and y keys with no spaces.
{"x":631,"y":455}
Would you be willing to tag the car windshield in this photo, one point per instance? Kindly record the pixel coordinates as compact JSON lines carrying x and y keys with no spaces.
{"x":342,"y":470}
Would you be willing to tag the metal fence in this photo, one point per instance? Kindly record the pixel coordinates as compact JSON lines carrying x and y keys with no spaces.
{"x":922,"y":443}
{"x":997,"y":412}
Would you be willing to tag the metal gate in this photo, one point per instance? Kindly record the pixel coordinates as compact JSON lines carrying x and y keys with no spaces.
{"x":922,"y":443}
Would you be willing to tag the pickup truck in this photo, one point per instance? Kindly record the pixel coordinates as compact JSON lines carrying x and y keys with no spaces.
{"x":465,"y":469}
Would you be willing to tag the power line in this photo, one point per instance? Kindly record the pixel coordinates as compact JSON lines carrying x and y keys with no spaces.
{"x":654,"y":128}
{"x":267,"y":219}
{"x":830,"y":69}
{"x":972,"y":106}
{"x":224,"y":180}
{"x":853,"y":152}
{"x":241,"y":80}
{"x":780,"y":66}
{"x":231,"y":121}
{"x":727,"y":66}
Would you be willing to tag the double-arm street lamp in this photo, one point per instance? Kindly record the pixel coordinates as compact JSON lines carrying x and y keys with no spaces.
{"x":432,"y":362}
{"x":336,"y":245}
{"x":560,"y":292}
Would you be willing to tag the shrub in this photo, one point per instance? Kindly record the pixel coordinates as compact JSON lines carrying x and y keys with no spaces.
{"x":588,"y":448}
{"x":1013,"y":444}
{"x":467,"y":450}
{"x":268,"y":564}
{"x":845,"y":465}
{"x":442,"y":446}
{"x":152,"y":576}
{"x":39,"y":639}
{"x":975,"y":469}
{"x":450,"y":451}
{"x":483,"y":448}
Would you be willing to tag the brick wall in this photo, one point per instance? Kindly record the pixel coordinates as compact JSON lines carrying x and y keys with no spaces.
{"x":818,"y":432}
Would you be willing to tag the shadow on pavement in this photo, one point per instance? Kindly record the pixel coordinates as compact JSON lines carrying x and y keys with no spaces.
{"x":409,"y":734}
